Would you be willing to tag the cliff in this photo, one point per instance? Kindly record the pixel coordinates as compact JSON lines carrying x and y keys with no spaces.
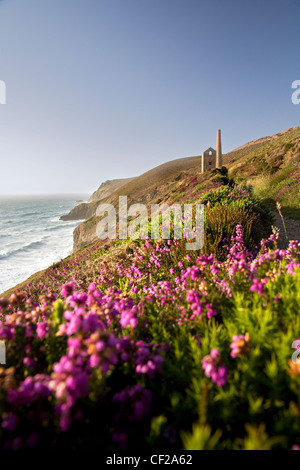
{"x":108,"y":187}
{"x":149,"y":188}
{"x":87,"y":209}
{"x":268,"y":164}
{"x":81,"y":212}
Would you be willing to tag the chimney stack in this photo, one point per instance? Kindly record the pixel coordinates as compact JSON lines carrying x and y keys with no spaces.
{"x":219,"y":162}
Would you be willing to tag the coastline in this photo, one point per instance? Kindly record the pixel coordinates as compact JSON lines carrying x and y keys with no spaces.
{"x":34,"y":277}
{"x":32,"y":236}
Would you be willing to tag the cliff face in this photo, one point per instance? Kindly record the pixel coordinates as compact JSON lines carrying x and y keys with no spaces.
{"x":85,"y":233}
{"x":155,"y":185}
{"x":86,"y":210}
{"x":81,"y":212}
{"x":108,"y":187}
{"x":268,"y":164}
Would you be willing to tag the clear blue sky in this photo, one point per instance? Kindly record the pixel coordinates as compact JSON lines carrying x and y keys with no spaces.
{"x":101,"y":89}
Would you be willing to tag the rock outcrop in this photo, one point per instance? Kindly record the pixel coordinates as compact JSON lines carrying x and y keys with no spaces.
{"x":108,"y":187}
{"x":81,"y":212}
{"x":87,"y":209}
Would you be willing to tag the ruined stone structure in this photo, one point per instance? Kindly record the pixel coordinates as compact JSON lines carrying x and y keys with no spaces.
{"x":212,"y":158}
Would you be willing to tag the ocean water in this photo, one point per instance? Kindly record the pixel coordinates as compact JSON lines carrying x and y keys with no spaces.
{"x":31,"y":235}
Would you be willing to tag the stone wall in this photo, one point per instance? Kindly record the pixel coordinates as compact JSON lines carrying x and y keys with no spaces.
{"x":208,"y":160}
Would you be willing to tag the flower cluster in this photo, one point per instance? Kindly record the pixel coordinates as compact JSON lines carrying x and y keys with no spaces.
{"x":125,"y":349}
{"x":213,"y":369}
{"x":239,"y":345}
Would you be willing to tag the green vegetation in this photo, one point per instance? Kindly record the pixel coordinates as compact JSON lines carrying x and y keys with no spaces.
{"x":142,"y":344}
{"x":272,"y":167}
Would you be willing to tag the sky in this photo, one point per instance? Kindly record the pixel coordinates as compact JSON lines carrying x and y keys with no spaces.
{"x":104,"y":89}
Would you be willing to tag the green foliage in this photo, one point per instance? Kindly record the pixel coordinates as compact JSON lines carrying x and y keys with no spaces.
{"x":257,"y":439}
{"x":288,"y":146}
{"x":201,"y":438}
{"x":259,"y":406}
{"x":58,"y":312}
{"x":272,"y":167}
{"x":107,"y":249}
{"x":221,"y":220}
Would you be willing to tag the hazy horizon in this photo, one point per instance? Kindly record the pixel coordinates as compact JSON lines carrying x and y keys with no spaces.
{"x":100,"y":90}
{"x":46,"y":195}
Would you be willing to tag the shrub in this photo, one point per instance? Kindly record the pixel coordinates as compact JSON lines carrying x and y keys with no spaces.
{"x":167,"y":349}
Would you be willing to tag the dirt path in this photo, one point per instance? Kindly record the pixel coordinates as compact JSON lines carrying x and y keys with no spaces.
{"x":292,"y":228}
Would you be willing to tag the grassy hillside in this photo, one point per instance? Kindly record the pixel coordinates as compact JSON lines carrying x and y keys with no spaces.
{"x":141,"y":344}
{"x":151,"y":187}
{"x":272,"y":166}
{"x":226,"y":206}
{"x":165,"y":349}
{"x":108,"y":187}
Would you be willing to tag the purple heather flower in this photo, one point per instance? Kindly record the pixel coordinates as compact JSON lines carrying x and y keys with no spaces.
{"x":29,"y":362}
{"x":239,"y":345}
{"x":41,"y":329}
{"x":211,"y":311}
{"x":10,"y":422}
{"x":128,"y":318}
{"x":212,"y":369}
{"x":258,"y":285}
{"x":133,"y":400}
{"x":67,"y":289}
{"x":147,"y":361}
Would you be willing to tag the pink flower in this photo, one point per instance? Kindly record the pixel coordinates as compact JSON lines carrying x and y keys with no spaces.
{"x":217,"y":374}
{"x":67,"y":289}
{"x":258,"y":285}
{"x":128,"y":318}
{"x":41,"y":329}
{"x":211,"y":311}
{"x":29,"y":362}
{"x":240,"y":345}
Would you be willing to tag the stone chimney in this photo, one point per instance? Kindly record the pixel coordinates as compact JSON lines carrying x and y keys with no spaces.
{"x":219,"y":162}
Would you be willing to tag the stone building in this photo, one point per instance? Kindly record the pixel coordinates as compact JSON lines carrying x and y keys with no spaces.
{"x":212,"y":158}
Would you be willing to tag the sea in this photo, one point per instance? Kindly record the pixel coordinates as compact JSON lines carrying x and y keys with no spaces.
{"x":31,"y":235}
